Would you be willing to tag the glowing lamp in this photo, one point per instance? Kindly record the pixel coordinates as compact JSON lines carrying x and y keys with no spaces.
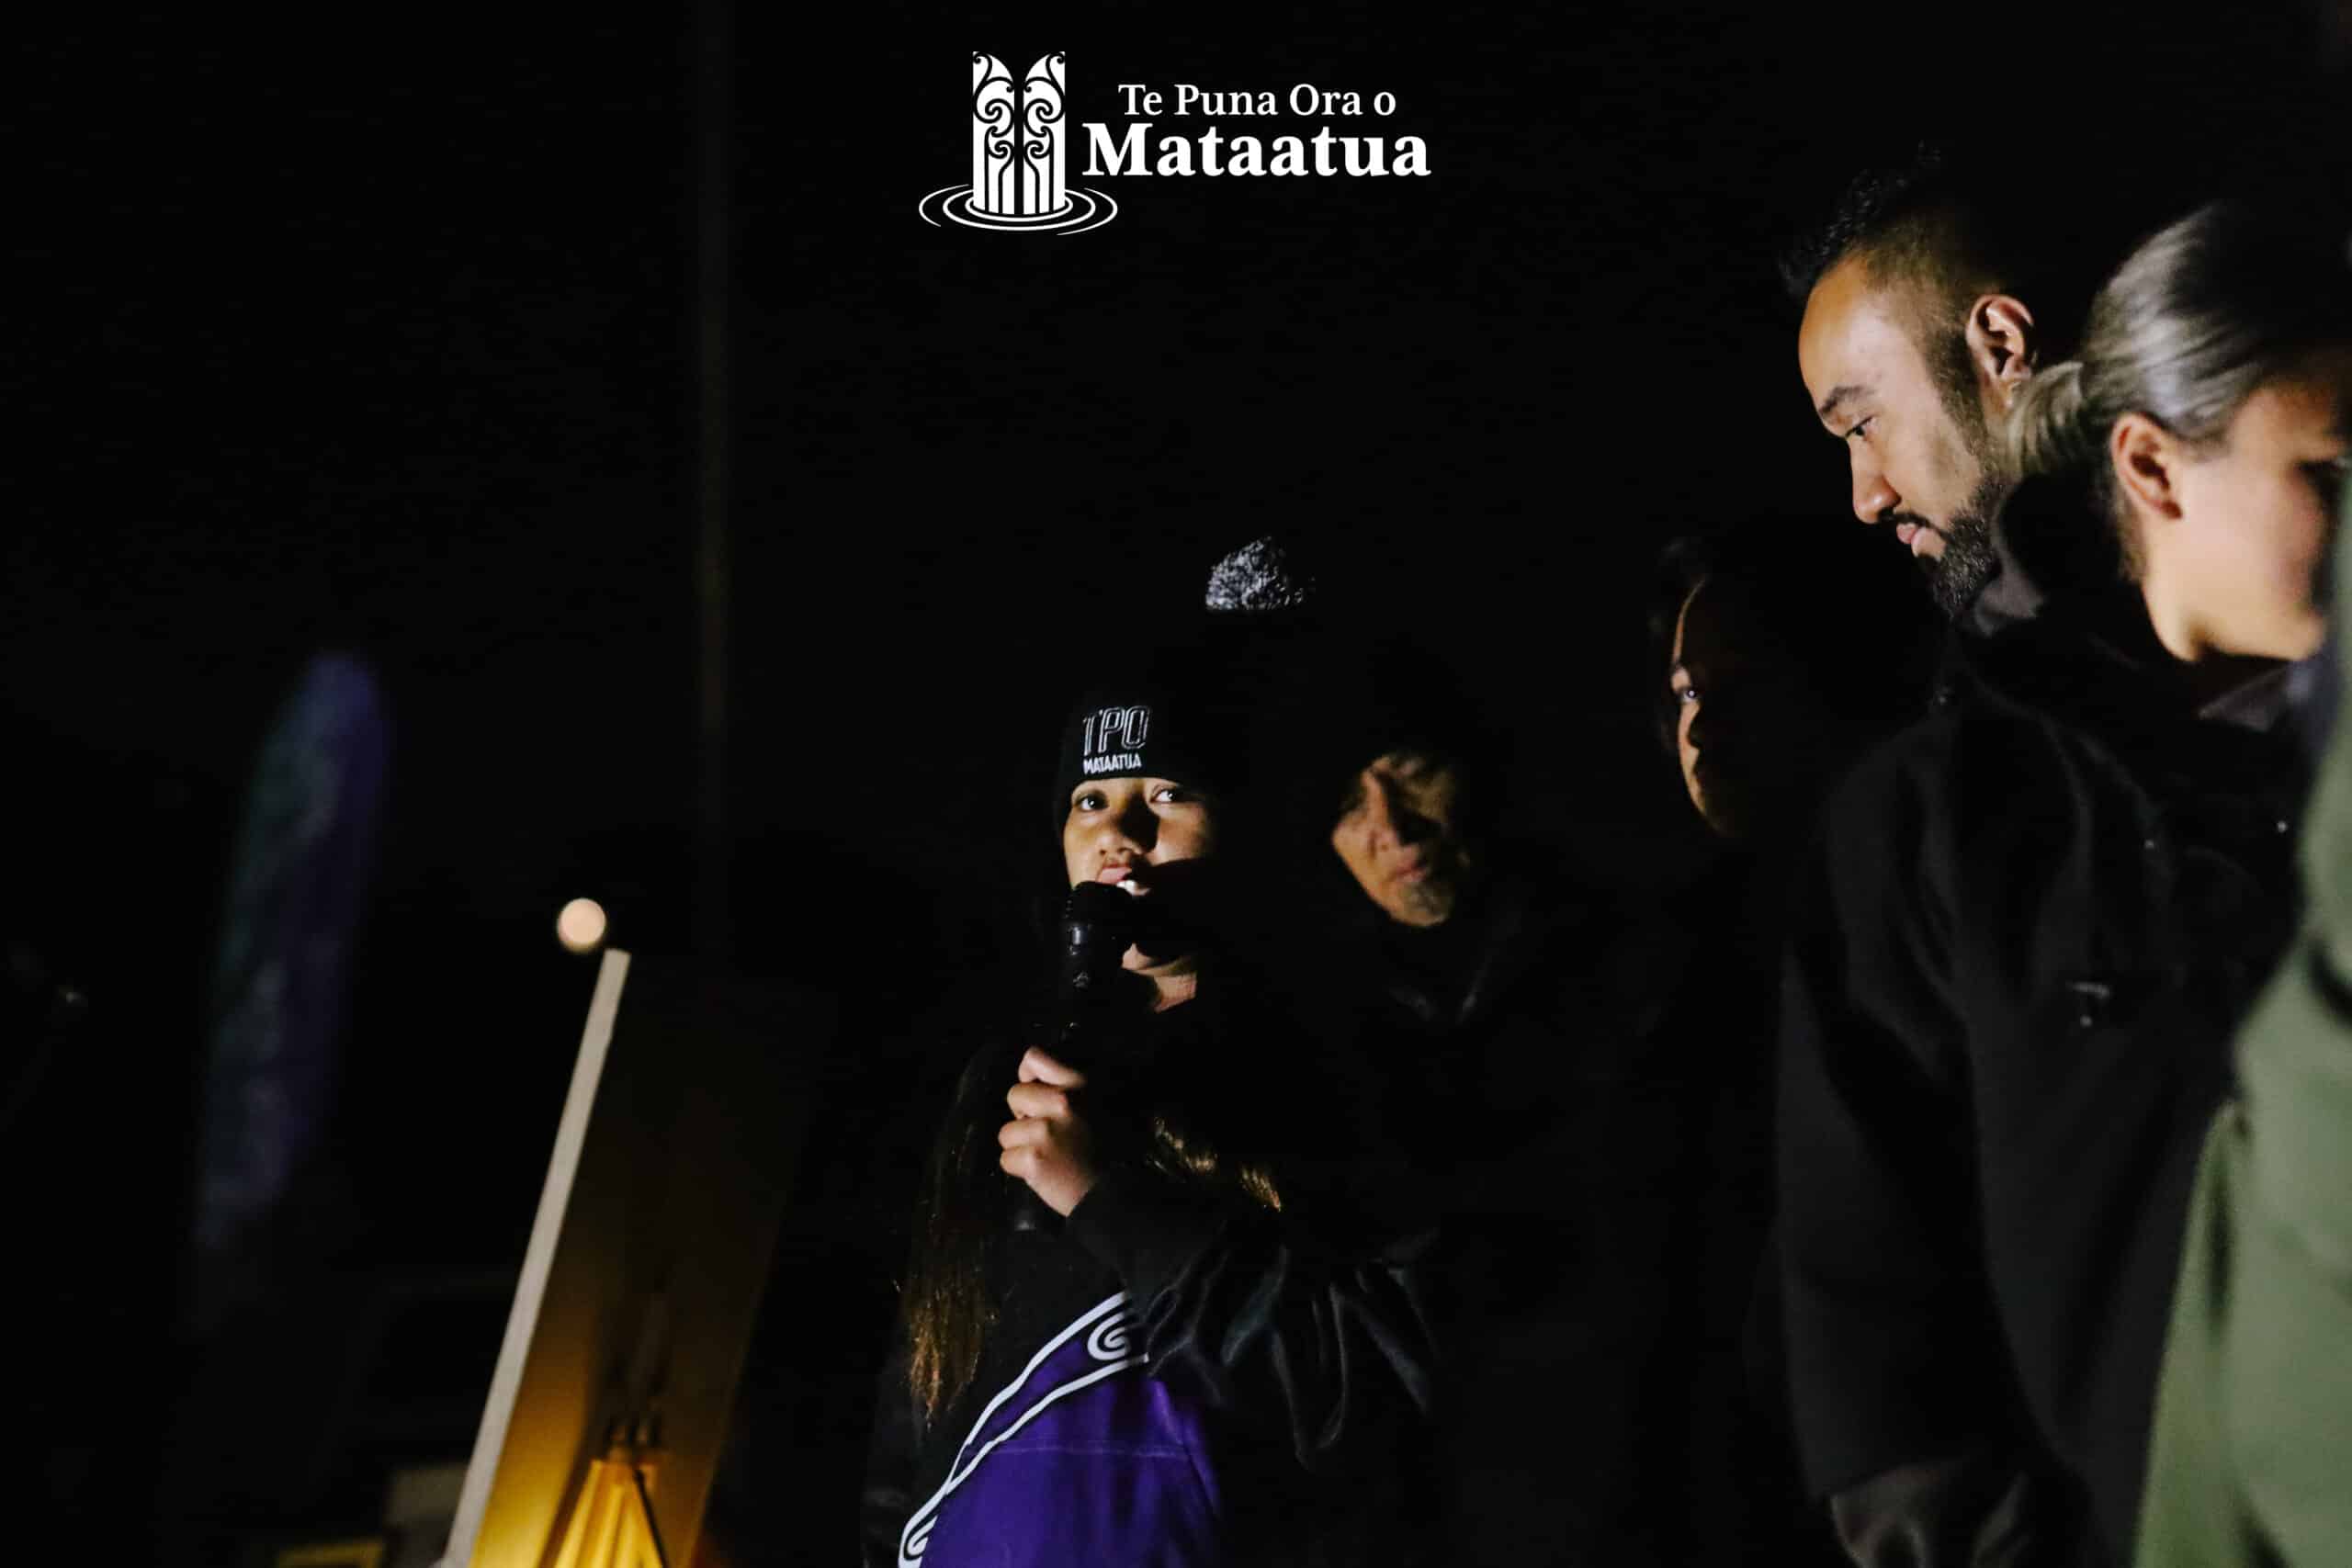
{"x":580,"y":925}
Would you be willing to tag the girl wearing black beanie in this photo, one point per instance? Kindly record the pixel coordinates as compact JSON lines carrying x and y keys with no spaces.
{"x":1118,"y":1347}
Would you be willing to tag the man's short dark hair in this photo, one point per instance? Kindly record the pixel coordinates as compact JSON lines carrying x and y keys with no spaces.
{"x":1960,"y":221}
{"x":1882,"y":211}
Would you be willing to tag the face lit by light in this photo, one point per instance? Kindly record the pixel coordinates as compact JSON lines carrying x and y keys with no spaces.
{"x":1683,"y":690}
{"x":1913,"y":466}
{"x":1872,"y":388}
{"x":1401,"y":835}
{"x":1125,"y":830}
{"x":580,"y":926}
{"x":1755,"y":736}
{"x":2232,"y":566}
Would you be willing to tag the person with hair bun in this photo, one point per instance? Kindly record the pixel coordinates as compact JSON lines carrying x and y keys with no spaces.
{"x":2032,"y":923}
{"x":2209,"y":408}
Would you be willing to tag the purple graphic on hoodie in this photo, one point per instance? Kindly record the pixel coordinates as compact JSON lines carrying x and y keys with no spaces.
{"x":1080,"y":1459}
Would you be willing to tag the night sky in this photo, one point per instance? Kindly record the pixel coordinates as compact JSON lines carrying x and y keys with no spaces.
{"x":377,"y":333}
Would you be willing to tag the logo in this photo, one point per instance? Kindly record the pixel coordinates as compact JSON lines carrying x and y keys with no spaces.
{"x":1120,"y":729}
{"x":1018,"y":134}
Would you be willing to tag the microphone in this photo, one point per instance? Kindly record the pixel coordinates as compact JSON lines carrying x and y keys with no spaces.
{"x":1098,"y":925}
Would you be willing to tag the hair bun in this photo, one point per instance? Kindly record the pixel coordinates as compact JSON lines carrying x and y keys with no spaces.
{"x":2046,"y":433}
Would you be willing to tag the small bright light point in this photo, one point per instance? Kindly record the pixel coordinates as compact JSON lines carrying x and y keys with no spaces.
{"x":581,"y":926}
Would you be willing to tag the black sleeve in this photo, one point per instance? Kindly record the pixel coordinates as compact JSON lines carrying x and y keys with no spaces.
{"x":1894,"y":1354}
{"x":888,"y":1497}
{"x":1982,"y":1509}
{"x":1242,"y":1308}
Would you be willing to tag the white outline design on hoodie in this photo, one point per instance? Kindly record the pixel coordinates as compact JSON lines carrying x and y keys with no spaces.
{"x":917,"y":1535}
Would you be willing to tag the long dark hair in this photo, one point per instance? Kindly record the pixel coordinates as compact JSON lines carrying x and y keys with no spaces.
{"x":948,"y":1307}
{"x":946,"y":1304}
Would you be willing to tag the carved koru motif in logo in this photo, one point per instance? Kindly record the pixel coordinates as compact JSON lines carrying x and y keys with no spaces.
{"x":1019,"y":155}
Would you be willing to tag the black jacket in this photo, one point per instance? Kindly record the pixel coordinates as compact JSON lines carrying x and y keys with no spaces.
{"x":2030,"y":925}
{"x":1748,"y":1503}
{"x":1518,"y":1101}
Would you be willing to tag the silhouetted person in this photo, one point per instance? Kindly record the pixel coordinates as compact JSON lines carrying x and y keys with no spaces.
{"x":1762,"y":702}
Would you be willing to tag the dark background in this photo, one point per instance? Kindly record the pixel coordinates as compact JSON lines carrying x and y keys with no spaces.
{"x":380,"y":334}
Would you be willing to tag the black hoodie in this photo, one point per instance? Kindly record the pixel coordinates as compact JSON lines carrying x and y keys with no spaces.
{"x":2029,"y":927}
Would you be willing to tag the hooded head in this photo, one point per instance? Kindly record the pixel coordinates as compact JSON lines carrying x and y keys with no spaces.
{"x":1402,"y":782}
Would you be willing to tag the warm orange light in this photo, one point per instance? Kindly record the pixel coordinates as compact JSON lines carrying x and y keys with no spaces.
{"x":581,"y":926}
{"x":611,"y":1524}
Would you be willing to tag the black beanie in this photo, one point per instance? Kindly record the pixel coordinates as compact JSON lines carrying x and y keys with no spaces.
{"x":1387,"y":693}
{"x":1159,"y":726}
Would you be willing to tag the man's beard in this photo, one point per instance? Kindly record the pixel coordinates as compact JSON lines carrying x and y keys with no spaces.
{"x":1970,"y":559}
{"x":1431,"y":900}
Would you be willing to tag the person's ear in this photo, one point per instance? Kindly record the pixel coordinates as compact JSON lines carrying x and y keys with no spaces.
{"x":2146,"y":461}
{"x":2002,"y":345}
